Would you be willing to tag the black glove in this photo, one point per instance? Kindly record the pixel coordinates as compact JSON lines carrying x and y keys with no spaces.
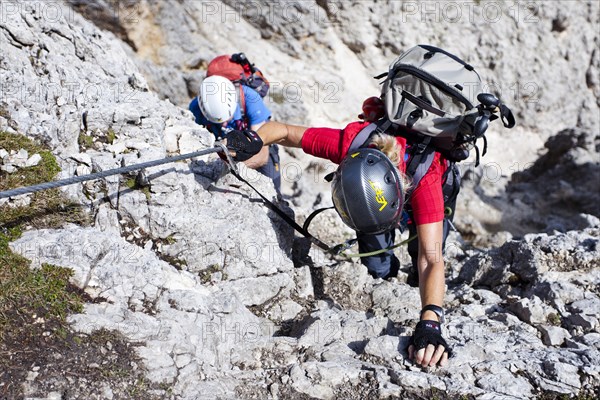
{"x":245,"y":143}
{"x":426,"y":333}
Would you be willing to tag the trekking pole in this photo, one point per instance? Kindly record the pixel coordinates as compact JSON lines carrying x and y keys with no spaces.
{"x":103,"y":174}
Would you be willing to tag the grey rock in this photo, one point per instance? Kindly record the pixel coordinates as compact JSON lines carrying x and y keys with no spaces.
{"x":107,"y":220}
{"x":585,"y":321}
{"x":532,"y":311}
{"x":350,"y":327}
{"x":553,"y":335}
{"x":528,"y":259}
{"x":384,"y":347}
{"x":284,"y":310}
{"x":417,"y":380}
{"x":337,"y":352}
{"x":551,"y":181}
{"x":95,"y":256}
{"x":8,"y":168}
{"x":318,"y":379}
{"x":347,"y":331}
{"x":502,"y":381}
{"x":256,"y":291}
{"x":304,"y":286}
{"x":592,"y":339}
{"x":563,"y":373}
{"x":19,"y":159}
{"x":33,"y":160}
{"x":385,"y":301}
{"x":302,"y":383}
{"x":559,"y":293}
{"x":588,"y":306}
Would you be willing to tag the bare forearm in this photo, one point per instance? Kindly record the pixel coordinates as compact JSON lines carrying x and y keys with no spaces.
{"x":284,"y":134}
{"x":432,"y":285}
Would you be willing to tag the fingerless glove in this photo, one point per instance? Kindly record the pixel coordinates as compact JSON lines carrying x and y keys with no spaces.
{"x":428,"y":332}
{"x":245,"y":143}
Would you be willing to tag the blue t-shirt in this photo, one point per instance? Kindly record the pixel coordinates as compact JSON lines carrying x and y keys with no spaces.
{"x":256,"y":112}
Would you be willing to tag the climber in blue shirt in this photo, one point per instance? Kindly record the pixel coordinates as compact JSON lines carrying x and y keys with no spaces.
{"x":221,"y":106}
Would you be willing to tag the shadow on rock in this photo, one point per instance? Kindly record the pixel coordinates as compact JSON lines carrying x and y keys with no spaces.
{"x":559,"y":192}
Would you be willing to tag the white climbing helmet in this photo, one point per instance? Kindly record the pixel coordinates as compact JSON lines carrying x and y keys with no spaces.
{"x":217,"y":99}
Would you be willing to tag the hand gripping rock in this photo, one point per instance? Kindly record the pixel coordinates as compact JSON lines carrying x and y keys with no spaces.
{"x":426,"y":333}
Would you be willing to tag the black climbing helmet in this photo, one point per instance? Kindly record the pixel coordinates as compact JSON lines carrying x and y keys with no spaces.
{"x":367,"y":191}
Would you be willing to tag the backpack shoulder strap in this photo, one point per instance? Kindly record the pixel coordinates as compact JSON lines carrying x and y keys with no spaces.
{"x":368,"y":131}
{"x":242,"y":103}
{"x":362,"y":137}
{"x":420,"y":158}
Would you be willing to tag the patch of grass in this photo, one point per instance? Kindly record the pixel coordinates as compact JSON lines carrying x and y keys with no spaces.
{"x":277,"y":97}
{"x":178,"y":263}
{"x":48,"y":208}
{"x":110,"y":136}
{"x":591,"y":394}
{"x":35,"y":303}
{"x":25,"y":292}
{"x":132,"y":184}
{"x":80,"y":364}
{"x":85,"y":141}
{"x":554,"y":319}
{"x":170,"y":240}
{"x":44,"y":292}
{"x":44,"y":171}
{"x":206,"y":274}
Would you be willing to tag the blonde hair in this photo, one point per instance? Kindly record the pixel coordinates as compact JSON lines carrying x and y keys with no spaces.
{"x":389,"y":146}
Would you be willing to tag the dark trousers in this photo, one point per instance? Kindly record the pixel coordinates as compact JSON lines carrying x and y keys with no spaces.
{"x":386,"y":265}
{"x":383,"y":265}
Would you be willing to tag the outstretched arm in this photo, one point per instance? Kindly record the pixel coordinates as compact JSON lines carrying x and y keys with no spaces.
{"x":431,"y":286}
{"x":283,"y":134}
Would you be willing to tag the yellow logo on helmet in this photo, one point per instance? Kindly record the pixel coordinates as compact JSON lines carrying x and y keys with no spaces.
{"x":379,"y":197}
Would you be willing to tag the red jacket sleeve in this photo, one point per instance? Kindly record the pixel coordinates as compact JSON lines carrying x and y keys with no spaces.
{"x":331,"y":144}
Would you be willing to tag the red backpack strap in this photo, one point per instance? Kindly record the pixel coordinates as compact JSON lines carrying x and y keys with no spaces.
{"x":242,"y":103}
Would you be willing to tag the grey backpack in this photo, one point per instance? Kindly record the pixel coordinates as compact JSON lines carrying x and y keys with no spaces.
{"x":438,"y":96}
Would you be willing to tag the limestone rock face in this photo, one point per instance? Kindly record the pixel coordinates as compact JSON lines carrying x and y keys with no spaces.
{"x":216,"y":293}
{"x":321,"y":56}
{"x":193,"y":333}
{"x":520,"y":49}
